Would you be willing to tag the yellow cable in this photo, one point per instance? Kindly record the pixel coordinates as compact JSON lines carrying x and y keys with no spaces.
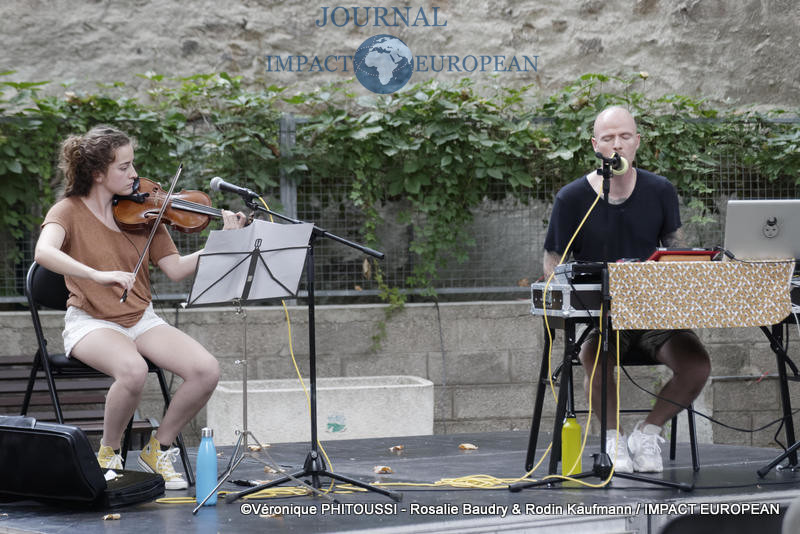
{"x":273,"y":492}
{"x":589,"y":413}
{"x":294,"y":361}
{"x":276,"y":492}
{"x":594,"y":366}
{"x":491,"y":482}
{"x":547,"y":285}
{"x":616,"y":442}
{"x":482,"y":481}
{"x":544,"y":308}
{"x":478,"y":481}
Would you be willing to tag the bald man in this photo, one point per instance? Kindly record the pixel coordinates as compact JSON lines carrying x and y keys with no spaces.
{"x":642,"y":214}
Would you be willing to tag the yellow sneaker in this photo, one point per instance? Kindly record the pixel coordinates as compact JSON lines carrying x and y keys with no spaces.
{"x":108,"y":459}
{"x":154,"y":460}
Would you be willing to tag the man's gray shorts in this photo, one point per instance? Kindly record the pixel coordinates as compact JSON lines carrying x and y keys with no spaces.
{"x":638,"y":346}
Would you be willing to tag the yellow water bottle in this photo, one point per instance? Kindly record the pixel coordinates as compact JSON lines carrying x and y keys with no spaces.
{"x":570,"y":445}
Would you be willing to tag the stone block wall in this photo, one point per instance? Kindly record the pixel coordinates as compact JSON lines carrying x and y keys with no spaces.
{"x":739,"y":53}
{"x":483,"y":358}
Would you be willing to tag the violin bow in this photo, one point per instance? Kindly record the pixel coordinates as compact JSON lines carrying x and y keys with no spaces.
{"x":155,"y":227}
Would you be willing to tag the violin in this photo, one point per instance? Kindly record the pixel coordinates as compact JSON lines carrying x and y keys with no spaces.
{"x":188,"y":211}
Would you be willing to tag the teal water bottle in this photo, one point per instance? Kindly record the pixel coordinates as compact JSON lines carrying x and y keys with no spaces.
{"x":570,"y":445}
{"x":206,"y":468}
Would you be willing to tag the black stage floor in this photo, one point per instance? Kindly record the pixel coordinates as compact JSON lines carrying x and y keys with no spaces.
{"x":726,"y":491}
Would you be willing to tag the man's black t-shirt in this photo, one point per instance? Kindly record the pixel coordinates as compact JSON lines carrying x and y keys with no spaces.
{"x":636,"y":227}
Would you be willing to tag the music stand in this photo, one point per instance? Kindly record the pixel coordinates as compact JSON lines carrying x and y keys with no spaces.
{"x":602,"y":466}
{"x":248,"y":277}
{"x":314,"y":465}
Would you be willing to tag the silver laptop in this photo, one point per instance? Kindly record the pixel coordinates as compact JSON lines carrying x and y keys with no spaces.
{"x":758,"y":229}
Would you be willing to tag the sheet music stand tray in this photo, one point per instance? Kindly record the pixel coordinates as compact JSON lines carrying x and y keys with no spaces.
{"x":248,"y":277}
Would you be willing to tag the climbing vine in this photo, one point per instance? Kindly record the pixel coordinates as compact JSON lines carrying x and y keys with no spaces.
{"x":441,"y":148}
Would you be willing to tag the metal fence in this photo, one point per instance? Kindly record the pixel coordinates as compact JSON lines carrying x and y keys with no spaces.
{"x":508,"y":236}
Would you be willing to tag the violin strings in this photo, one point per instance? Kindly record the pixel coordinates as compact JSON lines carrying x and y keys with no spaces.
{"x":187,"y":204}
{"x":195,"y":206}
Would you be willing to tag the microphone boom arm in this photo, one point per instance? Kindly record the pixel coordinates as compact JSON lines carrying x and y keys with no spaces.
{"x":249,"y":197}
{"x":253,"y":205}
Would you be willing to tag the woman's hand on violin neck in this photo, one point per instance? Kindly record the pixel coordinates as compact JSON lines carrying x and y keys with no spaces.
{"x":233,"y":220}
{"x":111,"y":278}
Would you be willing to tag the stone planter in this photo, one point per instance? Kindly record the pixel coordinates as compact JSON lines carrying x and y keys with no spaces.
{"x":347,"y":408}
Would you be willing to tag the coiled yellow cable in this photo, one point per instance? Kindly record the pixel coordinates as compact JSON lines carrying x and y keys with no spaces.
{"x":477,"y":481}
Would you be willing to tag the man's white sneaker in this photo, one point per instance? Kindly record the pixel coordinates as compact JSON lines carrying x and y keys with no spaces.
{"x":617,"y":450}
{"x":645,"y":450}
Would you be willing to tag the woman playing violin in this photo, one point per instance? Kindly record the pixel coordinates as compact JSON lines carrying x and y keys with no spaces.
{"x":81,"y":240}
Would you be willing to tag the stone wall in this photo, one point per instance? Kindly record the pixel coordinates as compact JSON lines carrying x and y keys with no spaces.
{"x":483,"y":358}
{"x":740,"y":53}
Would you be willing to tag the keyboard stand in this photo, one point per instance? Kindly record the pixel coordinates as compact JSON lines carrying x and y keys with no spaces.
{"x":775,"y":336}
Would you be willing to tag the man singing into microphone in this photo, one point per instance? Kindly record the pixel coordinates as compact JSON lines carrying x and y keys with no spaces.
{"x":642,"y":214}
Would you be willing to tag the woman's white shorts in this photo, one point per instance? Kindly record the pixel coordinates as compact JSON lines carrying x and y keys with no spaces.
{"x":78,"y":323}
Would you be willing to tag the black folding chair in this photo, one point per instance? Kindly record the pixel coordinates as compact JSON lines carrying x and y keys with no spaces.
{"x":46,"y":289}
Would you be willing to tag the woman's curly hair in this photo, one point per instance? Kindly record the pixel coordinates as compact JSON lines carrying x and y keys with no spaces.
{"x":83,"y":155}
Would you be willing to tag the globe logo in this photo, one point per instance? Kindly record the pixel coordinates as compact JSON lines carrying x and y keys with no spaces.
{"x":383,"y":64}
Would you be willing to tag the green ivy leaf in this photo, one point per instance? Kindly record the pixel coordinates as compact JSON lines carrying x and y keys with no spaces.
{"x":363,"y":133}
{"x":495,"y":173}
{"x":564,"y":153}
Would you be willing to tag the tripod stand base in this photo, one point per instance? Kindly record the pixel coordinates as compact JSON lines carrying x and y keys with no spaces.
{"x":601,"y":469}
{"x":788,"y":454}
{"x":314,"y":467}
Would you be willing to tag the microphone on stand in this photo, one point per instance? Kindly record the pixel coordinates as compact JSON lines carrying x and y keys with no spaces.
{"x":619,"y":165}
{"x":218,"y":184}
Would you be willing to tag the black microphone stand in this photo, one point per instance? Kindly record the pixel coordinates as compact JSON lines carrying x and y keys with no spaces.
{"x":601,"y":467}
{"x":314,"y":465}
